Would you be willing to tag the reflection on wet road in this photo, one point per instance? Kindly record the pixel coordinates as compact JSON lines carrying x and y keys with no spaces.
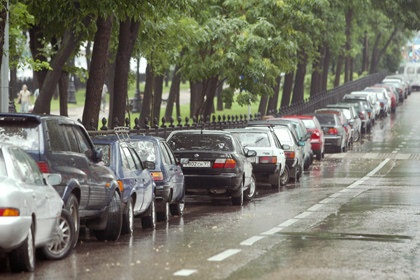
{"x":354,"y":215}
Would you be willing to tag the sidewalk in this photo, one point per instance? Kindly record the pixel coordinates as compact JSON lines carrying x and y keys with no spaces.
{"x":77,"y":112}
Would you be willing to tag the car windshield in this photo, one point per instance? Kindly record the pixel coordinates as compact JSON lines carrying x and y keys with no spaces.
{"x":326,"y":119}
{"x":22,"y":134}
{"x":381,"y":95}
{"x":146,"y":150}
{"x":309,"y":123}
{"x":253,"y":139}
{"x":206,"y":142}
{"x":347,"y":113}
{"x":106,"y":153}
{"x":283,"y":135}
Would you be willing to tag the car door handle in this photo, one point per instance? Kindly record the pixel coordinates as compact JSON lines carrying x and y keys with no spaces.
{"x":72,"y":161}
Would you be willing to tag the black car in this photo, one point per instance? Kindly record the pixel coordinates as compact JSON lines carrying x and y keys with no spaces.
{"x":214,"y":162}
{"x":61,"y":145}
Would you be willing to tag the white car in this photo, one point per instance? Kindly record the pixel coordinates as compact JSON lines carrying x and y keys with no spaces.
{"x":383,"y":98}
{"x":373,"y":100}
{"x":270,"y":162}
{"x":31,"y":212}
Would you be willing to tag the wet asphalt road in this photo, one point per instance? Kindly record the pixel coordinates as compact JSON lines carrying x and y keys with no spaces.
{"x":355,"y":215}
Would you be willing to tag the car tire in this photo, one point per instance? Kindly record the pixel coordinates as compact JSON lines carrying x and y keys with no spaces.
{"x":128,"y":218}
{"x":23,"y":257}
{"x":163,"y":216}
{"x":72,"y":205}
{"x":318,"y":155}
{"x":149,"y":221}
{"x":285,"y":177}
{"x":250,"y":192}
{"x":113,"y":227}
{"x":177,"y":209}
{"x":62,"y":246}
{"x":357,"y":136}
{"x":306,"y":164}
{"x":238,"y":197}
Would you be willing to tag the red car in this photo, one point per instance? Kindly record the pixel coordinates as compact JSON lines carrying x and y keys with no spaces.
{"x":317,"y":139}
{"x":343,"y":120}
{"x":393,"y":96}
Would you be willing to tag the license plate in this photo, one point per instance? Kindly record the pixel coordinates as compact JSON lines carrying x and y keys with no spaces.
{"x":253,"y":159}
{"x":197,"y":164}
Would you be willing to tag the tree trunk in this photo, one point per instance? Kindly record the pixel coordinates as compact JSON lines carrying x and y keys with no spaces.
{"x":349,"y":16}
{"x":173,"y":92}
{"x":316,"y":72}
{"x":287,"y":89}
{"x":3,"y":20}
{"x":365,"y":61}
{"x":325,"y":68}
{"x":97,"y":74}
{"x":219,"y":97}
{"x":196,"y":90}
{"x":88,"y":54}
{"x":127,"y":38}
{"x":158,"y":88}
{"x":12,"y":84}
{"x":63,"y":85}
{"x":111,"y":76}
{"x":338,"y":70}
{"x":167,"y":72}
{"x":147,"y":99}
{"x":299,"y":87}
{"x":210,"y":94}
{"x":376,"y":56}
{"x":274,"y":100}
{"x":36,"y":46}
{"x":351,"y":68}
{"x":263,"y":105}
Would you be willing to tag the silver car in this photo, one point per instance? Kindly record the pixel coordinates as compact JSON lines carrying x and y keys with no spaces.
{"x":31,"y":211}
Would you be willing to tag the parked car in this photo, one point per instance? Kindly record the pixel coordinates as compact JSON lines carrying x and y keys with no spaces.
{"x":352,"y":117}
{"x":411,"y":70}
{"x":270,"y":164}
{"x":404,"y":79}
{"x":286,"y":133}
{"x":61,"y":145}
{"x":398,"y":86}
{"x":31,"y":212}
{"x":376,"y":106}
{"x":391,"y":91}
{"x":214,"y":162}
{"x":134,"y":180}
{"x":367,"y":105}
{"x":361,"y":109}
{"x":334,"y":132}
{"x":317,"y":137}
{"x":383,"y":98}
{"x":343,"y":121}
{"x":168,"y":175}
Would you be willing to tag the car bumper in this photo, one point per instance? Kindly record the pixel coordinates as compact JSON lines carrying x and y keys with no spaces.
{"x":14,"y":231}
{"x":163,"y":191}
{"x":267,"y":168}
{"x":228,"y":181}
{"x":333,"y":141}
{"x":291,"y":162}
{"x":316,"y":146}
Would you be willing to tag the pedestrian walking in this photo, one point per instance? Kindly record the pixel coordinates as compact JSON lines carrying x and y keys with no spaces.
{"x":24,"y":99}
{"x":103,"y":98}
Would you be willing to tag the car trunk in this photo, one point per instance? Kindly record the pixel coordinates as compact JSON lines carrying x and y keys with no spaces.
{"x":201,"y":162}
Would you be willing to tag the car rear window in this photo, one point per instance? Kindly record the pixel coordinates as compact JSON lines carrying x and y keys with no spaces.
{"x":309,"y":123}
{"x":283,"y":135}
{"x":24,"y":134}
{"x":106,"y":153}
{"x":145,"y":149}
{"x":205,"y":142}
{"x":253,"y":139}
{"x":326,"y":119}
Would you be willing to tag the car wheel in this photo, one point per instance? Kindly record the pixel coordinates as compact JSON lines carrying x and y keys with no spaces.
{"x":113,"y":227}
{"x":306,"y":164}
{"x":23,"y":257}
{"x":62,"y":244}
{"x":128,"y":218}
{"x":163,"y":216}
{"x":72,"y":205}
{"x":250,"y":192}
{"x":318,"y":155}
{"x":177,"y":209}
{"x":357,"y":136}
{"x":238,"y":197}
{"x":149,"y":221}
{"x":285,"y":177}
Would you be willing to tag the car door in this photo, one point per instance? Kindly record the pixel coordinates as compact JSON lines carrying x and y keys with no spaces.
{"x":247,"y":165}
{"x":33,"y":181}
{"x":171,"y":166}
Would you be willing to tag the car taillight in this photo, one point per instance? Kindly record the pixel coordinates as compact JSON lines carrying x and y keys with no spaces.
{"x":369,"y":114}
{"x":400,"y":90}
{"x":268,"y":159}
{"x":382,"y":104}
{"x":43,"y":166}
{"x":289,"y":154}
{"x":361,"y":116}
{"x":316,"y":133}
{"x":9,"y":212}
{"x":332,"y":131}
{"x":157,"y":176}
{"x":224,"y":163}
{"x":120,"y":184}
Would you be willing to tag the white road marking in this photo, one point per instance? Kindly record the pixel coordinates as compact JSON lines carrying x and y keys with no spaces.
{"x":327,"y":200}
{"x":336,"y":194}
{"x":404,"y":143}
{"x":397,"y":149}
{"x":252,"y":240}
{"x":288,"y":223}
{"x":272,"y":231}
{"x":382,"y":164}
{"x":394,"y":152}
{"x":224,"y":255}
{"x":303,"y":215}
{"x":185,"y":272}
{"x":316,"y":207}
{"x":400,"y":146}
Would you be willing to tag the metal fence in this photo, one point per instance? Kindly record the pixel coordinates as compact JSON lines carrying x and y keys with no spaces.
{"x":238,"y":121}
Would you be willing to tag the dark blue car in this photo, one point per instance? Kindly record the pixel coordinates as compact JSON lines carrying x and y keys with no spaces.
{"x":135,"y":181}
{"x":168,"y":176}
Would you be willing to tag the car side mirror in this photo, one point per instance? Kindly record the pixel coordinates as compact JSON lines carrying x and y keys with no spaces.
{"x":52,"y":179}
{"x":285,"y":147}
{"x":345,"y":125}
{"x":301,"y":143}
{"x":251,"y":153}
{"x":98,"y":155}
{"x":149,"y":165}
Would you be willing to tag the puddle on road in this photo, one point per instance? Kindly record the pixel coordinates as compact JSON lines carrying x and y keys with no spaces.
{"x":345,"y":236}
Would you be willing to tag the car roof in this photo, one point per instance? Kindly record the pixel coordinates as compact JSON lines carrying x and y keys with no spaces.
{"x":254,"y":129}
{"x":37,"y":118}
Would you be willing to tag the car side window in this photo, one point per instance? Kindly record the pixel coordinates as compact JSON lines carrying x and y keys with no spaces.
{"x":165,"y":156}
{"x":136,"y":159}
{"x":83,"y":142}
{"x":55,"y":135}
{"x":169,"y":152}
{"x":276,"y":141}
{"x":71,"y":138}
{"x":239,"y":146}
{"x":23,"y":167}
{"x":36,"y":173}
{"x":129,"y":159}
